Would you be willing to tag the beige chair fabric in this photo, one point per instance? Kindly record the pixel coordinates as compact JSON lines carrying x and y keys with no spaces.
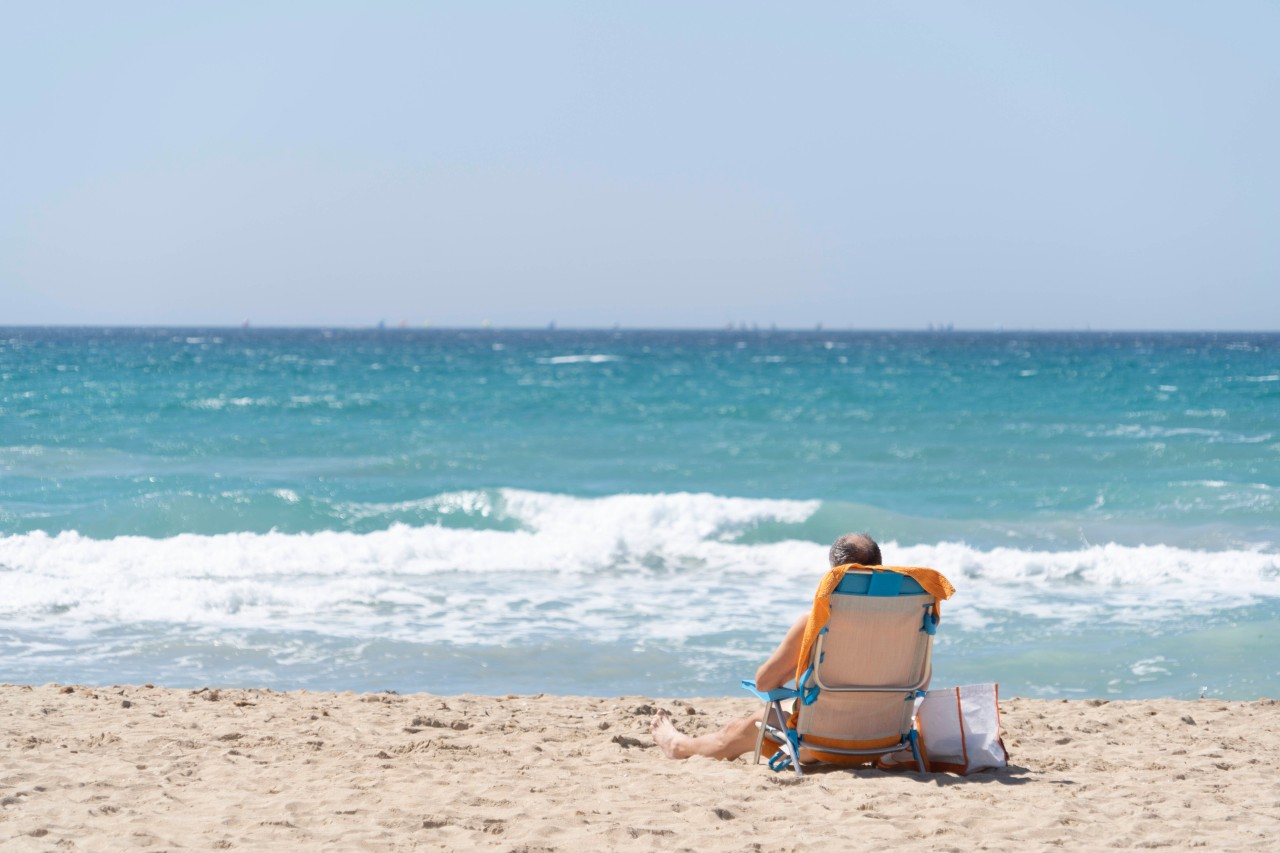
{"x":871,"y":660}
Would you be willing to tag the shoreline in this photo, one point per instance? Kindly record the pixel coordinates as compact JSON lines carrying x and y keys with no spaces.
{"x":232,"y":768}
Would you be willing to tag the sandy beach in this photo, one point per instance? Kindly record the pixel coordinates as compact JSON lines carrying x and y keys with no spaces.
{"x":98,"y":768}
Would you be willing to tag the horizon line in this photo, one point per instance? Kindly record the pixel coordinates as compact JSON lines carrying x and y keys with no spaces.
{"x":554,"y":327}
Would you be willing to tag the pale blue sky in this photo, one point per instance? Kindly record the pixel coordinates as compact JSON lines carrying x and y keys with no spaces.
{"x":889,"y":165}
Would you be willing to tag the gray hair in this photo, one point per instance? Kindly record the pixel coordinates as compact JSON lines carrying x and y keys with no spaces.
{"x":855,"y":548}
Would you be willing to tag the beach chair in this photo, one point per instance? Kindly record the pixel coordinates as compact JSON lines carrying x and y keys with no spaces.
{"x":862,"y":672}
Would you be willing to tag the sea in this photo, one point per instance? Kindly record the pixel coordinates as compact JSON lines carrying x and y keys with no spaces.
{"x":627,"y":512}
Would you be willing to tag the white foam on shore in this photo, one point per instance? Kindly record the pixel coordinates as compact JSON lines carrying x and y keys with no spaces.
{"x":623,"y":567}
{"x":1102,"y":584}
{"x":625,"y":552}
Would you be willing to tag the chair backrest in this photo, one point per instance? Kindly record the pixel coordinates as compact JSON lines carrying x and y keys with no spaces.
{"x":870,"y":660}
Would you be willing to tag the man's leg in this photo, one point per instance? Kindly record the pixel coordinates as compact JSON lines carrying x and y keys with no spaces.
{"x":734,"y":739}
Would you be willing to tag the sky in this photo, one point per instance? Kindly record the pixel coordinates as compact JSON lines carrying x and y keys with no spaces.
{"x":1057,"y":165}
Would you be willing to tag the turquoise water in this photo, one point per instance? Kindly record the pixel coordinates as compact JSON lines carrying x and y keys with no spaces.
{"x":630,"y":512}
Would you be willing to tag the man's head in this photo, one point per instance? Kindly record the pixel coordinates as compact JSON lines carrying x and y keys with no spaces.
{"x":855,"y":548}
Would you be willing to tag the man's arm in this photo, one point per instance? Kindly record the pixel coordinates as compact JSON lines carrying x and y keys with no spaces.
{"x":781,"y":665}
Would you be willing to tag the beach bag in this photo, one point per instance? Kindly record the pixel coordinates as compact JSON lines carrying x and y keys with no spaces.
{"x":959,"y":729}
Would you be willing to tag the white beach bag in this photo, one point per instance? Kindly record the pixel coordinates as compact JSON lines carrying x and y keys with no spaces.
{"x":960,"y":729}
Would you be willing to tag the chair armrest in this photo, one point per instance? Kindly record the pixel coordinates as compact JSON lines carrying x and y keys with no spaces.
{"x":776,"y":695}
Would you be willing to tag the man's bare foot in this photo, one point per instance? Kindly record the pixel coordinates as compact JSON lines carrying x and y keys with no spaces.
{"x":668,"y":738}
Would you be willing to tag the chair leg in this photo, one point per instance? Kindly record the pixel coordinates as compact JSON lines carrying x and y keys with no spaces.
{"x":790,"y":746}
{"x":914,"y":737}
{"x":795,"y":754}
{"x":755,"y":759}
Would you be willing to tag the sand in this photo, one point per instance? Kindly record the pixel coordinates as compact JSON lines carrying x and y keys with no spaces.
{"x":105,"y":768}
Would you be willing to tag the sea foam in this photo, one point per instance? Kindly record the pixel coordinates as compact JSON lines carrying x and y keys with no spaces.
{"x":639,"y":566}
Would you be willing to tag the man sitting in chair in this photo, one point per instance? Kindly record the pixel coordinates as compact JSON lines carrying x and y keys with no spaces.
{"x":739,"y":736}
